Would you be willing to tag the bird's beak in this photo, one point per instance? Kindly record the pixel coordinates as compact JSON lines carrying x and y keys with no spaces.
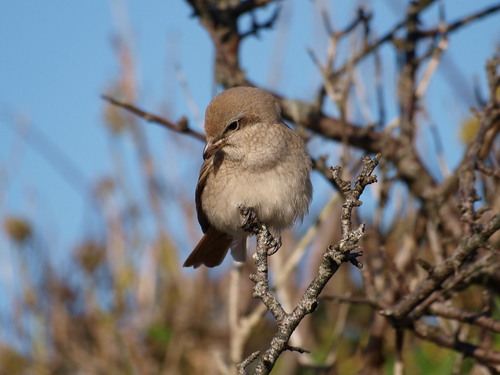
{"x":212,"y":148}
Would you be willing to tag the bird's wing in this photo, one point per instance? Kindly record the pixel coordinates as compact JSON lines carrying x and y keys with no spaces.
{"x":206,"y":167}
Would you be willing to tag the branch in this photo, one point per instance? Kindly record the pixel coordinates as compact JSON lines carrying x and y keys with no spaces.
{"x":455,"y":25}
{"x":266,"y":244}
{"x":442,"y":271}
{"x":479,"y":319}
{"x":241,"y":366}
{"x":257,"y":26}
{"x":391,"y":34}
{"x":180,"y":127}
{"x":249,"y":5}
{"x":480,"y":268}
{"x":346,"y":250}
{"x":352,"y":300}
{"x":436,"y":335}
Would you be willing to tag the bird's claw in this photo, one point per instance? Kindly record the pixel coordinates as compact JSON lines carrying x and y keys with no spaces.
{"x":250,"y":222}
{"x":274,"y":245}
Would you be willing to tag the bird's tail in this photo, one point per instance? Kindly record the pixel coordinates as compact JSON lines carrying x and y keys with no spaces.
{"x":211,"y":249}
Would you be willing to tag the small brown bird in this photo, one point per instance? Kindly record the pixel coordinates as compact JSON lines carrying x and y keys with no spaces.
{"x":251,"y":159}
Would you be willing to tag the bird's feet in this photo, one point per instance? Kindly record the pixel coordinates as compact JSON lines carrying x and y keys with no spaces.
{"x":274,"y":243}
{"x":249,"y":222}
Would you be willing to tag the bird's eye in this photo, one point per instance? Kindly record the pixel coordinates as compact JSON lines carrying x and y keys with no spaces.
{"x":233,"y":126}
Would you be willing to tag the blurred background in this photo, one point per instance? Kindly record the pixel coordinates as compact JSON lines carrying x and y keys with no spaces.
{"x":97,"y":205}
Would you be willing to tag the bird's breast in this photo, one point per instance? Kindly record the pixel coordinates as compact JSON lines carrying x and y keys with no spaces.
{"x":279,"y":193}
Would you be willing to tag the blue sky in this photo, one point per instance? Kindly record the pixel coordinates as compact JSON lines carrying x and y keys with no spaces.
{"x":57,"y":59}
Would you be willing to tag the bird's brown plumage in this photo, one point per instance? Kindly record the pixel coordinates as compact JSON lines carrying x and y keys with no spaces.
{"x":252,"y":158}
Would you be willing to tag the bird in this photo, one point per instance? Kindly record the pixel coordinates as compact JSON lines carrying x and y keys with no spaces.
{"x":251,"y":159}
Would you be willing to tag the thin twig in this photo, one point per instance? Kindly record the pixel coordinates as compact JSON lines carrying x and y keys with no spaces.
{"x":180,"y":127}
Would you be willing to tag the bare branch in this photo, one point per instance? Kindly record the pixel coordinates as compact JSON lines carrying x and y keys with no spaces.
{"x":343,"y":251}
{"x":180,"y":127}
{"x":436,"y":335}
{"x":442,"y":271}
{"x":479,"y":319}
{"x":241,"y":367}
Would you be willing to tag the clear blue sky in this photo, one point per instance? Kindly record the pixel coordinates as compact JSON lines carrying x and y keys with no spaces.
{"x":56,"y":59}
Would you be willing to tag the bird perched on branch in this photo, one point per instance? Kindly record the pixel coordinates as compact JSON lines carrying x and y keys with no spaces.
{"x":252,"y":159}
